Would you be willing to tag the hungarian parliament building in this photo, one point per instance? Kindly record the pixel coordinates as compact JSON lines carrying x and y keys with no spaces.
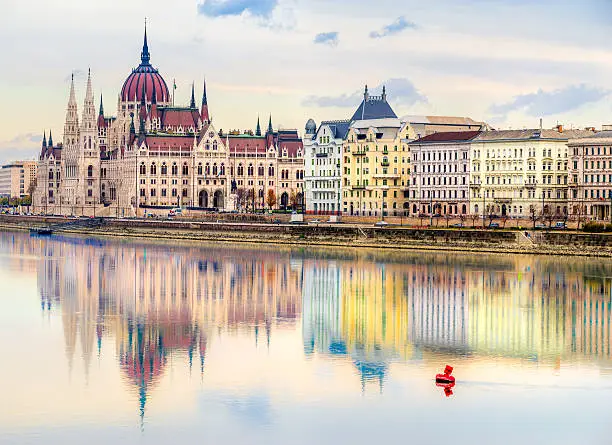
{"x":154,"y":154}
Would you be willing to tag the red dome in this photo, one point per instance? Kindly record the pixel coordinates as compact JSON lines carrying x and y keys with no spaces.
{"x":148,"y":76}
{"x":153,"y":83}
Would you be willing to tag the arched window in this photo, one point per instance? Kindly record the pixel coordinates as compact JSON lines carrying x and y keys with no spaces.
{"x":215,"y":170}
{"x":174,"y":169}
{"x":164,"y":169}
{"x":260,"y":170}
{"x":207,"y":169}
{"x":153,"y":169}
{"x":222,"y":170}
{"x":90,"y":171}
{"x":185,"y":169}
{"x":143,"y":169}
{"x":270,"y":170}
{"x":250,"y":170}
{"x":200,"y":169}
{"x":240,"y":170}
{"x":207,"y":145}
{"x":214,"y":145}
{"x":297,"y":174}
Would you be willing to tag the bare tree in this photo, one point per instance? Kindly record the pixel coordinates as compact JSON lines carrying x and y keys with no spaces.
{"x":462,"y":218}
{"x":240,"y":197}
{"x":533,"y":215}
{"x":504,"y":220}
{"x":293,"y":199}
{"x":271,"y":199}
{"x":447,"y":217}
{"x":474,"y":217}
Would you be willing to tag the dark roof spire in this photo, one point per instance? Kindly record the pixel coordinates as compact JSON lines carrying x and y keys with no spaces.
{"x":270,"y":129}
{"x":204,"y":98}
{"x":101,"y":106}
{"x":44,"y":139}
{"x":192,"y":105}
{"x":366,"y":94}
{"x":50,"y":139}
{"x":384,"y":93}
{"x":132,"y":128}
{"x":258,"y":131}
{"x":145,"y":57}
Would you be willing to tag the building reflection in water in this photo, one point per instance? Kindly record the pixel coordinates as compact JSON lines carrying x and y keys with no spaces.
{"x":159,"y":301}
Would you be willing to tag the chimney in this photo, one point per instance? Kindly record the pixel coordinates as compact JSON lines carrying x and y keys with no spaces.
{"x":560,"y":128}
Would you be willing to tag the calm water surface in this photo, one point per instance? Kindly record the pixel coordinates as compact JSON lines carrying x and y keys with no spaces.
{"x":105,"y":341}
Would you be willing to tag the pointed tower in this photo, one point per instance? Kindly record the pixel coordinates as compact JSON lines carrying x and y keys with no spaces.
{"x":71,"y":130}
{"x":192,"y":104}
{"x":50,"y":139}
{"x":89,"y":156}
{"x":44,"y":144}
{"x":384,"y":93}
{"x":89,"y":131}
{"x":143,"y":110}
{"x":270,"y":129}
{"x":258,"y":130}
{"x":204,"y":111}
{"x":145,"y":56}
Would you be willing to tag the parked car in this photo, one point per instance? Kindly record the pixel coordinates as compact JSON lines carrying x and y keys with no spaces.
{"x":560,"y":225}
{"x":381,"y":224}
{"x":540,"y":226}
{"x":171,"y":214}
{"x":177,"y":211}
{"x":458,"y":225}
{"x":494,"y":226}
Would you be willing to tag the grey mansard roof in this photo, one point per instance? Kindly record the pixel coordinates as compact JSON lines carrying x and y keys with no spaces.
{"x":374,"y":107}
{"x":339,"y":128}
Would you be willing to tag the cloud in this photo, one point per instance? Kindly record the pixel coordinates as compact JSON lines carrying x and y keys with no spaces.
{"x":393,"y":28}
{"x":327,"y":38}
{"x":546,"y":103}
{"x":22,"y":147}
{"x":223,"y":8}
{"x":399,"y":91}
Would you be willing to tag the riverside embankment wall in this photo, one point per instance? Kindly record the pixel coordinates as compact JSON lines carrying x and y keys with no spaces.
{"x":345,"y":235}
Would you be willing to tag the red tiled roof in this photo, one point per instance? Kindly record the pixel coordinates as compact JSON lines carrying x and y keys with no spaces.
{"x":169,"y":143}
{"x":448,"y":136}
{"x":174,"y":118}
{"x":246,"y":144}
{"x":291,"y":146}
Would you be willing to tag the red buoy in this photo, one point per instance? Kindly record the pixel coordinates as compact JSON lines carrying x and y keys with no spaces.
{"x":446,"y":378}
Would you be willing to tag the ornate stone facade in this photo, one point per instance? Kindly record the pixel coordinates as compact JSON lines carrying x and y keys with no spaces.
{"x":154,"y":155}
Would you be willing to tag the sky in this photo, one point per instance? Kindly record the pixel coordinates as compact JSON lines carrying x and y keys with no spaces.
{"x":507,"y":62}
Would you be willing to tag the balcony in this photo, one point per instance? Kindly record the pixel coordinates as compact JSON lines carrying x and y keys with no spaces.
{"x":531,"y":186}
{"x":475,"y":185}
{"x":385,"y":163}
{"x":321,"y":155}
{"x":386,"y":175}
{"x":359,"y":153}
{"x":358,"y":187}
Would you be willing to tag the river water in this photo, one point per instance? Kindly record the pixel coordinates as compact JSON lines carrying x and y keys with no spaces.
{"x":129,"y":341}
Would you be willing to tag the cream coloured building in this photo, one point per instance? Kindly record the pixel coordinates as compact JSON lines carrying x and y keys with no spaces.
{"x":518,"y":173}
{"x":590,"y":176}
{"x":16,"y":178}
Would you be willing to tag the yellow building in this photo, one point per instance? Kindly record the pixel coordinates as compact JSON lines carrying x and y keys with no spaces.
{"x":376,"y":168}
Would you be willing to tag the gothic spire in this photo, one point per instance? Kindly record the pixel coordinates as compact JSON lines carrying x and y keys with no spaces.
{"x":192,"y":105}
{"x":204,"y":111}
{"x":50,"y":139}
{"x":145,"y":57}
{"x":270,"y":129}
{"x":258,"y":131}
{"x":72,"y":100}
{"x":89,"y":90}
{"x":44,"y":145}
{"x":366,"y":94}
{"x":101,"y":106}
{"x":132,"y":128}
{"x":384,"y":93}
